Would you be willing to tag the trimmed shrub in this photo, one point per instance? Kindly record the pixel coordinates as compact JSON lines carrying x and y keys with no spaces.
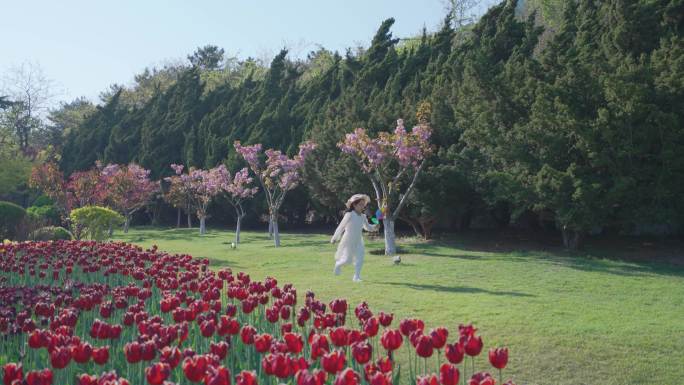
{"x":94,"y":222}
{"x":12,"y":221}
{"x":44,"y":215}
{"x":51,"y":233}
{"x":43,"y":200}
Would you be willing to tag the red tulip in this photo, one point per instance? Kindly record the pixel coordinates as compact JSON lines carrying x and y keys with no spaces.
{"x":171,"y":356}
{"x":246,"y":378}
{"x":448,"y":374}
{"x":38,"y":339}
{"x":133,"y":352}
{"x":338,"y":306}
{"x":12,"y":372}
{"x":347,"y":377}
{"x":371,"y":326}
{"x":339,"y":336}
{"x":334,"y":361}
{"x":355,"y":336}
{"x":385,"y":319}
{"x":272,"y":315}
{"x":424,"y":346}
{"x":220,"y":349}
{"x":157,"y":373}
{"x":482,"y":378}
{"x":498,"y":357}
{"x":101,"y":355}
{"x":473,"y":346}
{"x":217,"y":376}
{"x":285,"y":312}
{"x":384,"y":364}
{"x":39,"y":377}
{"x":439,"y":337}
{"x":82,"y":352}
{"x":247,"y":334}
{"x":391,"y":339}
{"x":228,"y":325}
{"x":362,"y":352}
{"x":195,"y":368}
{"x":315,"y":377}
{"x":60,"y":357}
{"x":262,"y":342}
{"x":455,"y":353}
{"x":148,"y":351}
{"x":319,"y":345}
{"x":87,"y":379}
{"x":280,"y":365}
{"x":466,"y":330}
{"x":380,"y":378}
{"x":408,"y":326}
{"x":427,"y":380}
{"x":294,"y":342}
{"x":207,"y":328}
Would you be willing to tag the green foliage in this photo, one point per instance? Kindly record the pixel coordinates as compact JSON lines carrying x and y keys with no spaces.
{"x":50,"y":233}
{"x":43,"y":200}
{"x":47,"y":214}
{"x":12,"y":220}
{"x":94,"y":221}
{"x":582,"y":120}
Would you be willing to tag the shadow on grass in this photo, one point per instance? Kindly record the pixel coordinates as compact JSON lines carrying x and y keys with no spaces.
{"x":562,"y":258}
{"x":458,"y":289}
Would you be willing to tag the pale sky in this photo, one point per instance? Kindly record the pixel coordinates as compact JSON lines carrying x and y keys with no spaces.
{"x":86,"y":45}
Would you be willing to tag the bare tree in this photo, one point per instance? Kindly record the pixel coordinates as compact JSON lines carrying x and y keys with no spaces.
{"x":32,"y":93}
{"x":461,"y":12}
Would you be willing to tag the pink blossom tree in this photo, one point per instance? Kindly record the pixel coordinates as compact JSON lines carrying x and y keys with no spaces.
{"x":129,"y":189}
{"x":179,"y":193}
{"x":86,"y":188}
{"x":391,"y":160}
{"x":277,"y":175}
{"x":238,"y":190}
{"x":204,"y":185}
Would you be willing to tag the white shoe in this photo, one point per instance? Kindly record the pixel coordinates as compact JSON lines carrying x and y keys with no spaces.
{"x":357,"y":279}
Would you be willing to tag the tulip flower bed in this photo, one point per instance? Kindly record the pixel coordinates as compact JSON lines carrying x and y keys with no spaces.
{"x":75,"y":312}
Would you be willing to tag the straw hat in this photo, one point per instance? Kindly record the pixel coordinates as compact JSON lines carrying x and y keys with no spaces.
{"x":357,"y":197}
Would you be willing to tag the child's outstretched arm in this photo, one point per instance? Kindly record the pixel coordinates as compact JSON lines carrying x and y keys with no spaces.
{"x":367,"y":226}
{"x":340,"y":228}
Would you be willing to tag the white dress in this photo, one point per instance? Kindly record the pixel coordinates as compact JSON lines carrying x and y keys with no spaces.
{"x":351,"y":247}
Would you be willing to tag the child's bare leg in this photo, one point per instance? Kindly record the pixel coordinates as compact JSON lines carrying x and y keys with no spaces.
{"x":358,"y":264}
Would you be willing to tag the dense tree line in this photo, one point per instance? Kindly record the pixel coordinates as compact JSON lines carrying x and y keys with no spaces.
{"x":584,"y":127}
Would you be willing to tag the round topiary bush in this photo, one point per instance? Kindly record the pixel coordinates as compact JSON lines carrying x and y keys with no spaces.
{"x":94,"y":221}
{"x":12,"y":220}
{"x":51,"y":233}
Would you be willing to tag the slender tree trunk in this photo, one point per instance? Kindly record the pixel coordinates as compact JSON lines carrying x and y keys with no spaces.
{"x":270,"y":226}
{"x":390,"y":237}
{"x":237,"y":230}
{"x":110,"y":232}
{"x":413,"y":223}
{"x":189,"y":220}
{"x":572,"y":239}
{"x":178,"y":219}
{"x":274,"y":226}
{"x":203,"y":228}
{"x":127,"y":223}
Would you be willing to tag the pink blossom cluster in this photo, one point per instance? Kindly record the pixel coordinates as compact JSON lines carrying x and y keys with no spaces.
{"x":129,"y":188}
{"x":408,"y":149}
{"x":279,"y":170}
{"x":238,"y":186}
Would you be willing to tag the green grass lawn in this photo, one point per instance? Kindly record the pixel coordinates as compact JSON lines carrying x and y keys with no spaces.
{"x":567,"y":319}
